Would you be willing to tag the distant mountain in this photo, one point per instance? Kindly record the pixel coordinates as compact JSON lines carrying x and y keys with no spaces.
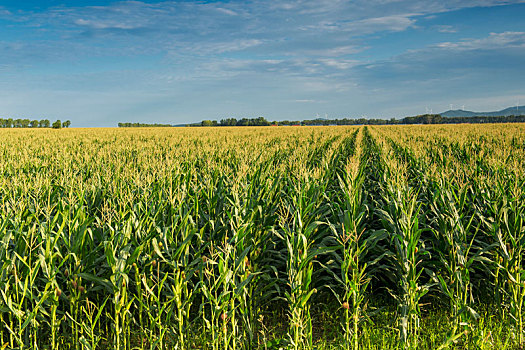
{"x":520,"y":110}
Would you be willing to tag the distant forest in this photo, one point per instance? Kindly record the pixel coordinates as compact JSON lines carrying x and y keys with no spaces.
{"x":142,"y":125}
{"x":419,"y":119}
{"x":27,"y":123}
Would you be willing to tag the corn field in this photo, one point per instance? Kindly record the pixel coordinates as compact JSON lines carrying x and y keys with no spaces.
{"x":393,"y":237}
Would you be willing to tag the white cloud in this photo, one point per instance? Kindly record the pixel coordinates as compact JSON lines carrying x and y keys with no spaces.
{"x":300,"y":51}
{"x":395,"y":23}
{"x":104,"y":24}
{"x":446,"y":29}
{"x":323,"y":28}
{"x":339,"y":63}
{"x":220,"y":47}
{"x":468,"y":66}
{"x":388,"y":23}
{"x":493,"y":42}
{"x":227,"y":11}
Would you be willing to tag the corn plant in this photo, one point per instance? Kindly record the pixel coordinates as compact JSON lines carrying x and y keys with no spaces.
{"x":224,"y":282}
{"x":179,"y":238}
{"x":354,"y":247}
{"x":400,"y":219}
{"x":455,"y":236}
{"x":299,"y":233}
{"x":183,"y":291}
{"x":52,"y":264}
{"x":92,"y":313}
{"x":507,"y":228}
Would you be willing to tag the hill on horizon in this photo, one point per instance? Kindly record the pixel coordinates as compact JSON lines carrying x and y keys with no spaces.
{"x":519,"y":110}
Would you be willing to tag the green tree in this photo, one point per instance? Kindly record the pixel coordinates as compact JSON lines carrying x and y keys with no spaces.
{"x":57,"y":124}
{"x":228,"y":122}
{"x":34,"y":124}
{"x":66,"y":124}
{"x":25,"y":123}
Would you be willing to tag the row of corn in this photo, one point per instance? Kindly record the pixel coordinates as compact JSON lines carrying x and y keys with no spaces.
{"x":181,"y":239}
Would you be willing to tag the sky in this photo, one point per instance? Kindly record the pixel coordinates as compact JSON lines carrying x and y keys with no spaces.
{"x":101,"y":62}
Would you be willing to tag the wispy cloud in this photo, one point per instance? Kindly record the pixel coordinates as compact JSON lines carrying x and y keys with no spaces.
{"x":227,"y":11}
{"x":299,"y":27}
{"x":219,"y":47}
{"x":464,"y":67}
{"x":394,"y":23}
{"x":104,"y":24}
{"x":202,"y":54}
{"x":446,"y":29}
{"x":5,"y":13}
{"x":494,"y":41}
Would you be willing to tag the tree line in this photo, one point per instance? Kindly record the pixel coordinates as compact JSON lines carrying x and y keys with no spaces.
{"x":259,"y":121}
{"x":418,"y":119}
{"x":27,"y":123}
{"x":142,"y":125}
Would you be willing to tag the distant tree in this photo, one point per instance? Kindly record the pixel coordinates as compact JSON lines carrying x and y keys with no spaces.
{"x":46,"y":123}
{"x":57,"y":124}
{"x":66,"y":124}
{"x":207,"y":123}
{"x":143,"y":125}
{"x":243,"y":122}
{"x":261,"y":121}
{"x":34,"y":124}
{"x":9,"y":123}
{"x":228,"y":122}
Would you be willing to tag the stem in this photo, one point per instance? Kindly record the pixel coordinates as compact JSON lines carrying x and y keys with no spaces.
{"x":53,"y":326}
{"x":224,"y":333}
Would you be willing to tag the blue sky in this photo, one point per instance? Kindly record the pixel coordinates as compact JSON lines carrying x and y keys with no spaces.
{"x":98,"y":63}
